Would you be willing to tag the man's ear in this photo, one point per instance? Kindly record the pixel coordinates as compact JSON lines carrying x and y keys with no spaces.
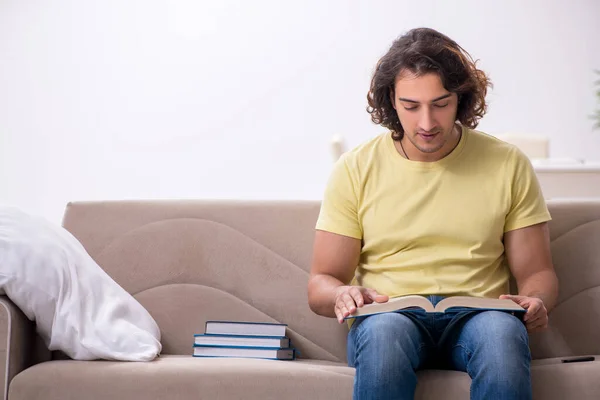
{"x":392,"y":97}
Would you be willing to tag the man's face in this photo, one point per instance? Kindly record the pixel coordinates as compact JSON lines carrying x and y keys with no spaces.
{"x":427,"y":111}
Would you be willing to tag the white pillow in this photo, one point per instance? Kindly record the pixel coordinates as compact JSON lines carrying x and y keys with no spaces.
{"x":76,"y":306}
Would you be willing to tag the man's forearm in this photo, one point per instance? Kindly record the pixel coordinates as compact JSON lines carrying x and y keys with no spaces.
{"x":321,"y":294}
{"x":543,"y":285}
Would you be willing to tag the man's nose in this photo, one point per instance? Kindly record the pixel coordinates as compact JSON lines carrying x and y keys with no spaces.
{"x":426,"y":121}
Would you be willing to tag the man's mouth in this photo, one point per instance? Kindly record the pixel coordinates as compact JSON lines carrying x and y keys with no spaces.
{"x":428,"y":136}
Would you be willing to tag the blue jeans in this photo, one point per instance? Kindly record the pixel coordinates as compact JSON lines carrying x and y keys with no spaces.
{"x":491,"y":346}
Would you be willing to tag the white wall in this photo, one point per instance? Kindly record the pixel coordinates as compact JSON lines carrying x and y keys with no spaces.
{"x":239,"y":99}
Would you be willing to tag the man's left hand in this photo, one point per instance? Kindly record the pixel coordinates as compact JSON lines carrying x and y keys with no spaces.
{"x":536,"y":317}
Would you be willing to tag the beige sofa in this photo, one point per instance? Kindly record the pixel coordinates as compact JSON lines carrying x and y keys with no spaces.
{"x":189,"y":261}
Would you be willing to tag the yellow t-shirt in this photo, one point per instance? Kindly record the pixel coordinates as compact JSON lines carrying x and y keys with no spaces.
{"x":433,"y":227}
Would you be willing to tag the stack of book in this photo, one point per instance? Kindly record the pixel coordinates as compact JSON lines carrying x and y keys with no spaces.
{"x":245,"y":340}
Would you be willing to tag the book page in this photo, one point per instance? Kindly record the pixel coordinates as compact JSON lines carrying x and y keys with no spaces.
{"x":477,"y":302}
{"x":394,"y":304}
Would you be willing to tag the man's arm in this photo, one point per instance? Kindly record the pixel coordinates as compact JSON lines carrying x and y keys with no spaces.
{"x":335,"y":257}
{"x":530,"y":261}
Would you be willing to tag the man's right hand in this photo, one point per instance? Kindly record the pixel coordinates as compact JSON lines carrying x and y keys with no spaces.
{"x":348,"y":298}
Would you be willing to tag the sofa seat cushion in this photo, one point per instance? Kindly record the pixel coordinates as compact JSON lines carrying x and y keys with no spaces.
{"x":550,"y":378}
{"x":183,"y":377}
{"x":186,"y":377}
{"x":553,"y":379}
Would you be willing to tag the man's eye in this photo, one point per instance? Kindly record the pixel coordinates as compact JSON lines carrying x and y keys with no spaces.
{"x":440,"y":105}
{"x":411,"y":108}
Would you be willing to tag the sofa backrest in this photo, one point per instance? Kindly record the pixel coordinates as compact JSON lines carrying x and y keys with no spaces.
{"x":192,"y":261}
{"x":574,"y":326}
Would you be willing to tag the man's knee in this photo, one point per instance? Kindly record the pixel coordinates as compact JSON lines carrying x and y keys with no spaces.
{"x":496,"y":325}
{"x":391,"y":337}
{"x":499,"y":337}
{"x":388,"y":327}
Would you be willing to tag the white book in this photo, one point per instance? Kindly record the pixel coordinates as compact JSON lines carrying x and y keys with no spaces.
{"x":244,"y":328}
{"x":245,"y":352}
{"x":242,"y":340}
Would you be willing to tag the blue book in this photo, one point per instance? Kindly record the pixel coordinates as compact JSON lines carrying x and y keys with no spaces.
{"x":245,"y":328}
{"x":241,"y":340}
{"x":272,"y":353}
{"x":452,"y":303}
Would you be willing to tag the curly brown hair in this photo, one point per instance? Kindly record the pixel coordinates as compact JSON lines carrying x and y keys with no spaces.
{"x":422,"y":51}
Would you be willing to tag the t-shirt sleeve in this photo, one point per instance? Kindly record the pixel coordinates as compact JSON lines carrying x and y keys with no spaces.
{"x":339,"y":208}
{"x":528,"y":206}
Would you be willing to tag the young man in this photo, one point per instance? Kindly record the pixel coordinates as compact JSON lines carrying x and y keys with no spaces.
{"x":433,"y":208}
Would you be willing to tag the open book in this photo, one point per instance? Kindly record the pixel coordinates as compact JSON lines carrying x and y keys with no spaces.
{"x":421,"y":303}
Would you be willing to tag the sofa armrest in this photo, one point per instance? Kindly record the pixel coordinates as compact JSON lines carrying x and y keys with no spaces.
{"x":17,"y":334}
